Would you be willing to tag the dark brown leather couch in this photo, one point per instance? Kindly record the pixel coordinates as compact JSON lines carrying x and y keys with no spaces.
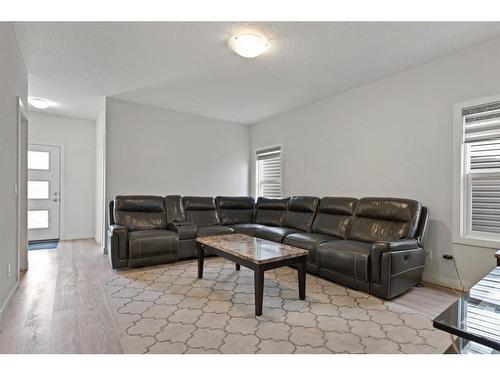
{"x":235,"y":211}
{"x":203,"y":213}
{"x":176,"y":222}
{"x":332,"y":223}
{"x":138,"y":235}
{"x":297,"y":217}
{"x":373,"y":244}
{"x":383,"y":234}
{"x":265,"y":214}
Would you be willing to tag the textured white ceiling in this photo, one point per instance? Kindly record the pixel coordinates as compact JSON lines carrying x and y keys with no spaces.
{"x":188,"y":67}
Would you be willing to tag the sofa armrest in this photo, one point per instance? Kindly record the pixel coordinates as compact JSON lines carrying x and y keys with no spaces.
{"x":381,"y":247}
{"x":185,"y":229}
{"x":117,"y":228}
{"x":118,"y":245}
{"x":398,"y":245}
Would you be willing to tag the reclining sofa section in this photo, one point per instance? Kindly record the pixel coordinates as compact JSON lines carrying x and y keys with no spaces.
{"x":372,"y":244}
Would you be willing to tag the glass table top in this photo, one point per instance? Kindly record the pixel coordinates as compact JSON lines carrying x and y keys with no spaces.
{"x":475,"y":317}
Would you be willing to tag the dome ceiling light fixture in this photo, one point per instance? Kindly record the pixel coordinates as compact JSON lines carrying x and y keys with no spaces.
{"x":248,"y":45}
{"x":39,"y":103}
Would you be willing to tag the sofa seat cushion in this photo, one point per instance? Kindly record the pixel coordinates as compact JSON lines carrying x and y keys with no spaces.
{"x":308,"y":241}
{"x":248,"y":229}
{"x":144,"y":243}
{"x":275,"y":234}
{"x":349,"y":258}
{"x":213,"y":230}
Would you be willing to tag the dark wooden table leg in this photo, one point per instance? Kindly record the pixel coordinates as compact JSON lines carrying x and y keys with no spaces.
{"x":237,"y":266}
{"x":301,"y":269}
{"x":259,"y":290}
{"x":201,"y":258}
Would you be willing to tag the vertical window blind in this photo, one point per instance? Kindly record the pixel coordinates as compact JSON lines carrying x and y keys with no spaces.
{"x":269,"y":173}
{"x":481,"y":139}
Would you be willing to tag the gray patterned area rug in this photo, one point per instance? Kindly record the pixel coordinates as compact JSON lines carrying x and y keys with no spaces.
{"x":166,"y":309}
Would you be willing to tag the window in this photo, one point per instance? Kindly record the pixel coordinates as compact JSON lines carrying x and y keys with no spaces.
{"x":269,"y":172}
{"x":480,"y":201}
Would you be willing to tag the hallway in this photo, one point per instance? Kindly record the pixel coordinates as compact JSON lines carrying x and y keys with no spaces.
{"x":60,"y":306}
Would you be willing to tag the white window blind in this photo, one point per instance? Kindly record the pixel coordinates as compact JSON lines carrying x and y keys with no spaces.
{"x":481,"y":142}
{"x":269,"y":173}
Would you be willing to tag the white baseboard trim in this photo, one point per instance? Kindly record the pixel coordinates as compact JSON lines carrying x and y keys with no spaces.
{"x":8,"y":300}
{"x":444,"y":281}
{"x":83,"y":236}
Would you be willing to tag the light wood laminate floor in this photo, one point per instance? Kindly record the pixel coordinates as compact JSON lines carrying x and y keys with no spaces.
{"x":60,"y":306}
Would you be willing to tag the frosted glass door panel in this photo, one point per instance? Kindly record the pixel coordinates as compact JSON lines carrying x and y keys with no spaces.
{"x":38,"y":219}
{"x":39,"y":160}
{"x":38,"y":189}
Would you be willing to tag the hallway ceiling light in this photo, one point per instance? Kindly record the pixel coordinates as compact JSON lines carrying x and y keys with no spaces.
{"x":39,"y":103}
{"x":248,"y":45}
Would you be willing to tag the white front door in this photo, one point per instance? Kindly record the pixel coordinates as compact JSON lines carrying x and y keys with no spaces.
{"x":43,"y":192}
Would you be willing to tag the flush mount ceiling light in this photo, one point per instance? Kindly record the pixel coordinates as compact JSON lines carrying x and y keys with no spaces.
{"x":39,"y":103}
{"x":248,"y":45}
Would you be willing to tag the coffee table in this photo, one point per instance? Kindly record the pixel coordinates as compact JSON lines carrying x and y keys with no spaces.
{"x":475,"y":318}
{"x":257,"y":254}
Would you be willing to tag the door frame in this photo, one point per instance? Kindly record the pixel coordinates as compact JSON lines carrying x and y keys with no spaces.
{"x":61,"y":181}
{"x":22,"y":254}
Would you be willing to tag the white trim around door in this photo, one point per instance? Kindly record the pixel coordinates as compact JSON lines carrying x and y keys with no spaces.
{"x":21,"y":187}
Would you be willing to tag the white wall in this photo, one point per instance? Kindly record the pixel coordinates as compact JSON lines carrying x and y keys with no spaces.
{"x":14,"y":83}
{"x":155,"y":151}
{"x":392,"y":137}
{"x":78,"y":138}
{"x":100,"y":174}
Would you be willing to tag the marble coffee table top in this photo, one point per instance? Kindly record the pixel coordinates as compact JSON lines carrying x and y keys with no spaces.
{"x":256,"y":250}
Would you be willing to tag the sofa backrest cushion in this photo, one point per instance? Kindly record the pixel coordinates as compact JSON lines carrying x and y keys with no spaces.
{"x":235,"y":210}
{"x":334,"y":216}
{"x":139,"y":212}
{"x":385,"y":219}
{"x":300,"y":213}
{"x":271,"y":211}
{"x":200,"y":210}
{"x":174,"y":208}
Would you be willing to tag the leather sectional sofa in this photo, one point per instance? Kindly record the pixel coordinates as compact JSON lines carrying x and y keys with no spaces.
{"x":372,"y":244}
